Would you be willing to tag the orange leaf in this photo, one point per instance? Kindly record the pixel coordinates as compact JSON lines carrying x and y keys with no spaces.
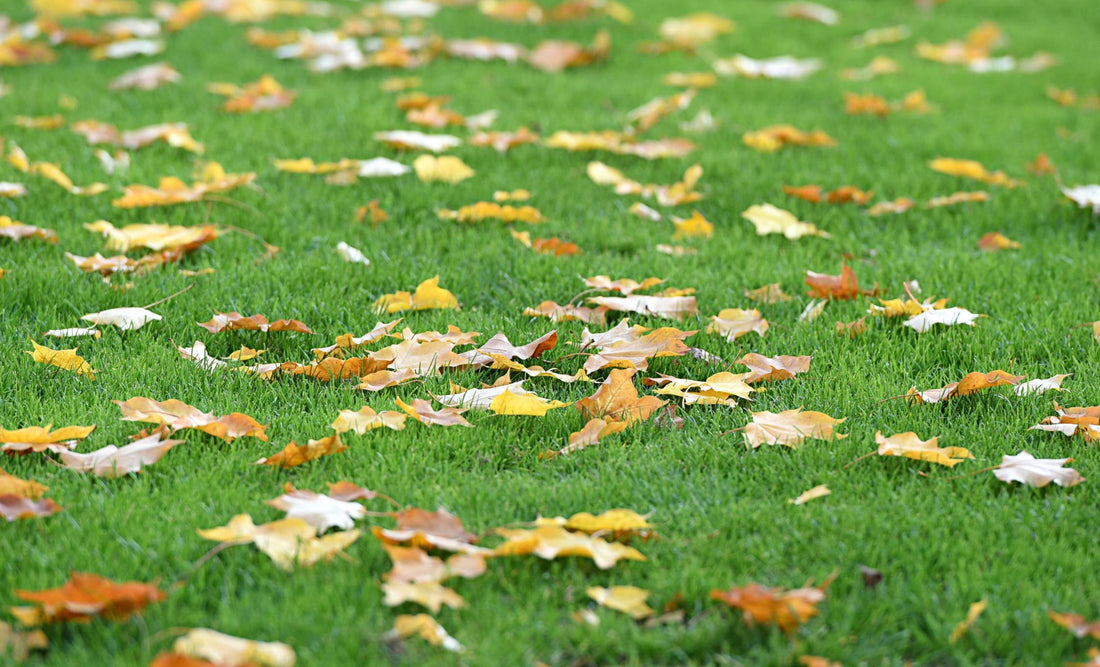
{"x":85,"y":596}
{"x":295,"y":455}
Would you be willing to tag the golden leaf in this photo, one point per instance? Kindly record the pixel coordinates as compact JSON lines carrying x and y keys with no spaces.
{"x":66,"y":359}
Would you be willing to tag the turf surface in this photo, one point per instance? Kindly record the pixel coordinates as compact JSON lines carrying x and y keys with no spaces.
{"x":721,"y":510}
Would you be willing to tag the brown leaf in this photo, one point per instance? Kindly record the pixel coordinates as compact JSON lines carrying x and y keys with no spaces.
{"x":790,"y":428}
{"x":617,"y":399}
{"x":10,"y":485}
{"x":844,"y":286}
{"x":1076,"y":624}
{"x":422,"y":411}
{"x":178,"y":415}
{"x":671,"y":307}
{"x":112,"y":461}
{"x":295,"y":455}
{"x":772,"y":369}
{"x":549,"y":542}
{"x":38,"y":439}
{"x":969,"y":384}
{"x":13,"y":507}
{"x":787,"y":609}
{"x":236,"y":322}
{"x":85,"y":596}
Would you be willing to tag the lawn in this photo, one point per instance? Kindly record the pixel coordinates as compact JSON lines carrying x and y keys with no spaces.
{"x":941,"y":537}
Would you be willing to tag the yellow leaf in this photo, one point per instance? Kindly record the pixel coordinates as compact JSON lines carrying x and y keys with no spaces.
{"x":628,"y":599}
{"x":13,"y":486}
{"x":771,"y":220}
{"x":216,"y":647}
{"x":508,"y":403}
{"x":819,"y":491}
{"x":695,"y":226}
{"x":790,"y":428}
{"x":972,"y":615}
{"x":295,"y":455}
{"x":732,"y":323}
{"x":428,"y":629}
{"x":430,"y":594}
{"x":910,"y":446}
{"x":367,"y":420}
{"x":428,"y":295}
{"x":446,"y":168}
{"x":550,"y":542}
{"x":66,"y":359}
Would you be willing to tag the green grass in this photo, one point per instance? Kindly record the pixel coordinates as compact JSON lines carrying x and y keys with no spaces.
{"x":721,"y":510}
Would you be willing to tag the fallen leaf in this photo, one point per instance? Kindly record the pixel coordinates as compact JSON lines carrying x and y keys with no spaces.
{"x":447,"y":168}
{"x":819,"y":491}
{"x":1028,"y":470}
{"x":148,"y":77}
{"x":772,"y":369}
{"x":366,"y":419}
{"x":422,"y":411}
{"x":1085,"y":196}
{"x":771,"y":139}
{"x":964,"y":626}
{"x":671,"y":307}
{"x":234,"y":321}
{"x":973,"y":170}
{"x":550,"y":542}
{"x":19,"y":644}
{"x":318,"y":510}
{"x":41,"y":439}
{"x":781,"y":67}
{"x":1053,"y":383}
{"x":286,"y":541}
{"x":112,"y":461}
{"x":14,"y":508}
{"x":428,"y":295}
{"x":910,"y":446}
{"x":1076,"y":624}
{"x":787,"y":609}
{"x":994,"y":241}
{"x":527,"y":404}
{"x":790,"y":428}
{"x":16,"y":231}
{"x":969,"y":384}
{"x":85,"y":596}
{"x":126,"y":319}
{"x":842,"y":287}
{"x":617,"y":399}
{"x":694,"y":227}
{"x":10,"y":485}
{"x":767,"y":294}
{"x":65,"y":359}
{"x":177,"y":415}
{"x":295,"y":455}
{"x":630,"y":600}
{"x":221,"y":649}
{"x":428,"y":629}
{"x":732,"y":323}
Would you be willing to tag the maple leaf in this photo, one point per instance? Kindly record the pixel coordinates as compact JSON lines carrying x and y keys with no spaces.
{"x":430,"y":530}
{"x":318,"y":510}
{"x":617,"y":399}
{"x":694,"y":30}
{"x":526,"y":404}
{"x":790,"y":428}
{"x":446,"y":168}
{"x":670,"y":307}
{"x":264,"y":94}
{"x":643,"y":118}
{"x":1027,"y":469}
{"x":910,"y":446}
{"x":197,"y":353}
{"x":215,"y":648}
{"x":768,"y":294}
{"x":1085,"y":196}
{"x":964,"y":626}
{"x":819,"y":491}
{"x":1073,"y":421}
{"x":41,"y":439}
{"x":294,"y":455}
{"x":65,"y":359}
{"x":568,"y":312}
{"x":148,"y":77}
{"x":16,"y":231}
{"x":421,"y":358}
{"x":153,"y":236}
{"x":973,"y":170}
{"x":422,"y":411}
{"x":842,"y":287}
{"x":957,"y":198}
{"x":492,"y":211}
{"x":20,"y":644}
{"x":994,"y":241}
{"x":969,"y":384}
{"x":126,"y":319}
{"x":14,"y":507}
{"x":946,"y":316}
{"x":1053,"y":383}
{"x":10,"y":485}
{"x":504,"y":141}
{"x":695,"y":226}
{"x":629,"y":600}
{"x":555,"y":56}
{"x":112,"y":461}
{"x":782,"y":67}
{"x":286,"y":541}
{"x":624,"y":286}
{"x":234,"y":321}
{"x":550,"y":542}
{"x":732,"y":323}
{"x":718,"y":389}
{"x":428,"y":629}
{"x":771,"y":139}
{"x":900,"y":205}
{"x":85,"y":596}
{"x":772,"y":369}
{"x":1076,"y":624}
{"x":479,"y":398}
{"x":621,"y":523}
{"x":177,"y":415}
{"x":627,"y":347}
{"x":428,"y":295}
{"x":366,"y":419}
{"x":787,"y":609}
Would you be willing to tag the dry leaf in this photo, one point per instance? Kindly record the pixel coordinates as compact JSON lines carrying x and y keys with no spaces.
{"x":428,"y":629}
{"x":787,"y":609}
{"x":428,"y":295}
{"x":177,"y":415}
{"x":318,"y":510}
{"x":973,"y":170}
{"x":38,"y":439}
{"x":782,"y":67}
{"x":366,"y":419}
{"x":112,"y":461}
{"x":844,"y":286}
{"x":14,"y":508}
{"x":446,"y":168}
{"x":629,"y":600}
{"x":1053,"y":383}
{"x":295,"y":455}
{"x":16,"y":231}
{"x":790,"y":428}
{"x":771,"y":139}
{"x":148,"y":77}
{"x":1027,"y":469}
{"x":19,"y":644}
{"x":617,"y":400}
{"x":568,"y":312}
{"x":85,"y":596}
{"x":964,"y":626}
{"x":126,"y":319}
{"x":910,"y":446}
{"x":1076,"y":624}
{"x":819,"y":491}
{"x":772,"y":369}
{"x":65,"y":359}
{"x":10,"y":485}
{"x":527,"y":404}
{"x":732,"y":323}
{"x":671,"y":307}
{"x":286,"y":541}
{"x":550,"y":542}
{"x":969,"y":384}
{"x":236,"y":322}
{"x":221,"y":649}
{"x":994,"y":241}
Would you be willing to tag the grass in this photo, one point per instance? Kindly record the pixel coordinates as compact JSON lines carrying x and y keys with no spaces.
{"x":940,"y":543}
